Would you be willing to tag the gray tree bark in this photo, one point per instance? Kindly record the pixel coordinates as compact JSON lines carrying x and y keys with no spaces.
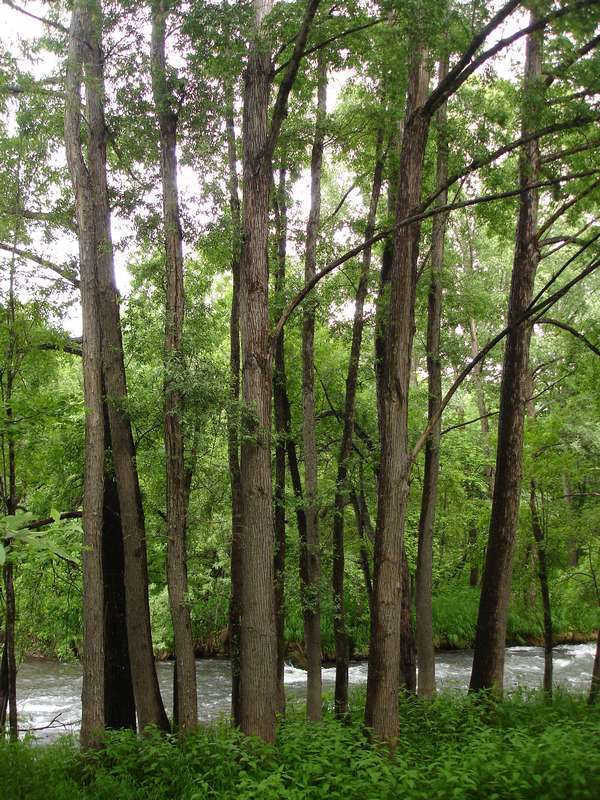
{"x":186,"y":712}
{"x":424,"y":588}
{"x":488,"y":661}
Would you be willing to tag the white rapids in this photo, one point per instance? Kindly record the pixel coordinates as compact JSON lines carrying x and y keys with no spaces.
{"x":49,"y":692}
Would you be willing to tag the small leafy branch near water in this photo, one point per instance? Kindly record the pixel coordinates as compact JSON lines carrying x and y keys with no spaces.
{"x":453,"y":747}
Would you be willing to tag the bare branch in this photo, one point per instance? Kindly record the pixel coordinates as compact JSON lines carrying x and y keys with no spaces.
{"x":66,"y":272}
{"x":529,"y":314}
{"x":51,"y":23}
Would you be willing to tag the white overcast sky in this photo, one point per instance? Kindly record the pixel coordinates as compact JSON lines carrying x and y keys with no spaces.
{"x":16,"y":28}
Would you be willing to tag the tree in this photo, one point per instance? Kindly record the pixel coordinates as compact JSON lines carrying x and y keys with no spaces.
{"x":186,"y":711}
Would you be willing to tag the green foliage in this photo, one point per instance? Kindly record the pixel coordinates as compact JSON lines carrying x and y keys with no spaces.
{"x":524,"y":748}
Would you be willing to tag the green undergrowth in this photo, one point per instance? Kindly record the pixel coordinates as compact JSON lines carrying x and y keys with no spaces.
{"x":453,"y":747}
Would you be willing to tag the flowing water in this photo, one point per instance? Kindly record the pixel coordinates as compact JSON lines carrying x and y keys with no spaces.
{"x":49,"y":692}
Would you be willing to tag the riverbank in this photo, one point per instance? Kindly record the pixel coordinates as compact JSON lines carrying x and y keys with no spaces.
{"x":522,"y":748}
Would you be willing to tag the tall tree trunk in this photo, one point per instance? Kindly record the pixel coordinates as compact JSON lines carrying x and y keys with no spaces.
{"x":233,"y":450}
{"x":176,"y":495}
{"x":280,"y":407}
{"x":425,"y":651}
{"x":102,"y":334}
{"x":540,"y":541}
{"x":92,"y":698}
{"x":488,"y":661}
{"x":258,"y":635}
{"x":381,"y":711}
{"x":341,"y":490}
{"x":310,"y":572}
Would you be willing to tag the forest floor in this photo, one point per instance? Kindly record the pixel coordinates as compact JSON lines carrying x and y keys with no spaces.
{"x":453,"y":747}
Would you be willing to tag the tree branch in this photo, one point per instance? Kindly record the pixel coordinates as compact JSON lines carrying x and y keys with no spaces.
{"x":44,"y":20}
{"x":285,"y":87}
{"x":68,"y":274}
{"x":569,"y":329}
{"x":528,"y":314}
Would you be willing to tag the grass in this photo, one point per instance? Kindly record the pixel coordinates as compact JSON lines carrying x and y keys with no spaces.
{"x":453,"y":747}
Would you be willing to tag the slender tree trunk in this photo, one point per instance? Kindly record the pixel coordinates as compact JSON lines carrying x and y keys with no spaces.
{"x":485,"y":433}
{"x":408,"y":649}
{"x":280,"y":406}
{"x":176,"y":496}
{"x":9,"y":646}
{"x":310,"y":574}
{"x":3,"y":684}
{"x":96,"y":256}
{"x":595,"y":685}
{"x":258,"y":634}
{"x":540,"y":541}
{"x":425,"y":650}
{"x":365,"y":560}
{"x":488,"y":662}
{"x":341,"y":639}
{"x":381,"y":711}
{"x":233,"y":450}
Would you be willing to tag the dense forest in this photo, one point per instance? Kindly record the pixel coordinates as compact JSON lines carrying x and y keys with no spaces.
{"x":299,"y":363}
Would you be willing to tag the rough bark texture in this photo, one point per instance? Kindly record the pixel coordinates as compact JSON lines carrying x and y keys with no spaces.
{"x":233,"y":450}
{"x":280,"y":407}
{"x":258,"y":633}
{"x":310,"y":572}
{"x":92,"y":699}
{"x":258,"y":671}
{"x":119,"y":701}
{"x":381,"y":712}
{"x":93,"y":213}
{"x":341,"y":491}
{"x":423,"y":599}
{"x":488,"y":662}
{"x":176,"y":495}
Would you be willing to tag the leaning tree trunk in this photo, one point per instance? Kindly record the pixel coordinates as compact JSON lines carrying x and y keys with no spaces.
{"x":176,"y":494}
{"x":310,"y":559}
{"x":424,"y":587}
{"x":381,"y":711}
{"x":233,"y":450}
{"x":93,"y":213}
{"x":341,"y":491}
{"x":488,"y":661}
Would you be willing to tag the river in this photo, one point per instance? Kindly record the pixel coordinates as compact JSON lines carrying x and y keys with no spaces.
{"x":49,"y":691}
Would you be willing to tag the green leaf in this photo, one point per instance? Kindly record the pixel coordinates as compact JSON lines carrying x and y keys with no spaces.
{"x":2,"y":555}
